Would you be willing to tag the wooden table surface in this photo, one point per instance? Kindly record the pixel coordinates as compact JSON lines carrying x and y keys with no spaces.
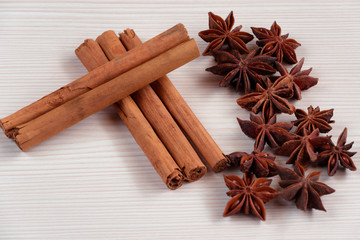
{"x":92,"y":181}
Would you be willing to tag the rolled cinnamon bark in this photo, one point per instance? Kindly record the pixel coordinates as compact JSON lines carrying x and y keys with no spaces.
{"x":152,"y":48}
{"x":182,"y":113}
{"x":92,"y":56}
{"x":47,"y":125}
{"x":159,"y":117}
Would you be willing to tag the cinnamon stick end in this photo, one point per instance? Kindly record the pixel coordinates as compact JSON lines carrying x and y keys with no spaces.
{"x":20,"y":145}
{"x":181,"y":27}
{"x":2,"y":126}
{"x":221,"y":164}
{"x":8,"y":131}
{"x":196,"y":173}
{"x":110,"y":44}
{"x":107,"y":34}
{"x":84,"y":44}
{"x":174,"y":180}
{"x":129,"y":39}
{"x":130,"y":32}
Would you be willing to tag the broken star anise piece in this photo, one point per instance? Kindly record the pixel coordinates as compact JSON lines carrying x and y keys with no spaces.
{"x":302,"y":149}
{"x":270,"y":99}
{"x":313,"y":119}
{"x":300,"y":79}
{"x":333,"y":154}
{"x":275,"y":44}
{"x":242,"y":73}
{"x":248,"y":195}
{"x":220,"y":33}
{"x":270,"y":132}
{"x":260,"y":163}
{"x":305,"y":190}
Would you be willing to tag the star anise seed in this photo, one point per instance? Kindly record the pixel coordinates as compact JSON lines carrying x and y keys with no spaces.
{"x":248,"y":195}
{"x":275,"y":44}
{"x":270,"y":132}
{"x":220,"y":33}
{"x":242,"y":73}
{"x":300,"y":79}
{"x":302,"y":149}
{"x":333,"y":154}
{"x":260,"y":163}
{"x":305,"y":190}
{"x":313,"y":119}
{"x":270,"y":100}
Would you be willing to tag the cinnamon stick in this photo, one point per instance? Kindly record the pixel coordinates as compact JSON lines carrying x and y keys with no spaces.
{"x":159,"y":117}
{"x":92,"y":56}
{"x":152,"y":48}
{"x":47,"y":125}
{"x":182,"y":113}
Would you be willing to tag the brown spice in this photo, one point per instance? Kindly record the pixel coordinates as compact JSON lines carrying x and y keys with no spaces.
{"x":305,"y":190}
{"x":242,"y":73}
{"x":248,"y":195}
{"x":49,"y":124}
{"x":302,"y":149}
{"x":270,"y":99}
{"x":159,"y":117}
{"x":300,"y":78}
{"x":275,"y":44}
{"x":260,"y":163}
{"x":220,"y":33}
{"x":152,"y":48}
{"x":333,"y":154}
{"x":270,"y":132}
{"x":312,"y":120}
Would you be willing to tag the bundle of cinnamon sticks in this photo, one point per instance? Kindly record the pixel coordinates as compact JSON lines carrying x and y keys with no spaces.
{"x":120,"y":71}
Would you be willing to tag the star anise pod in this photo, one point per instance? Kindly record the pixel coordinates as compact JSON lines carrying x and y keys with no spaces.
{"x":302,"y":149}
{"x":270,"y":99}
{"x":313,"y":119}
{"x":270,"y":132}
{"x":305,"y":190}
{"x":248,"y":195}
{"x":220,"y":33}
{"x":242,"y":73}
{"x":333,"y":154}
{"x":300,"y":79}
{"x":260,"y":163}
{"x":275,"y":44}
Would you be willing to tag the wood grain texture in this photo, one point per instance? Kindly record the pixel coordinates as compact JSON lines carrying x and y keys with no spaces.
{"x":93,"y":181}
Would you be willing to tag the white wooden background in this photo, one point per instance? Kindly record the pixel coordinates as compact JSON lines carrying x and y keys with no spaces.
{"x":92,"y":181}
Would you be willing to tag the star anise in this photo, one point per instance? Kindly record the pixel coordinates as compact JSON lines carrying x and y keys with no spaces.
{"x":270,"y":132}
{"x":220,"y":33}
{"x":333,"y":154}
{"x":302,"y":149}
{"x":270,"y":99}
{"x":275,"y":44}
{"x":313,"y":119}
{"x":242,"y":73}
{"x":305,"y":190}
{"x":248,"y":195}
{"x":300,"y":79}
{"x":260,"y":163}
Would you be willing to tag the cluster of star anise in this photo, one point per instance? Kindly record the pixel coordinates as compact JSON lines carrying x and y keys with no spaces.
{"x":249,"y":71}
